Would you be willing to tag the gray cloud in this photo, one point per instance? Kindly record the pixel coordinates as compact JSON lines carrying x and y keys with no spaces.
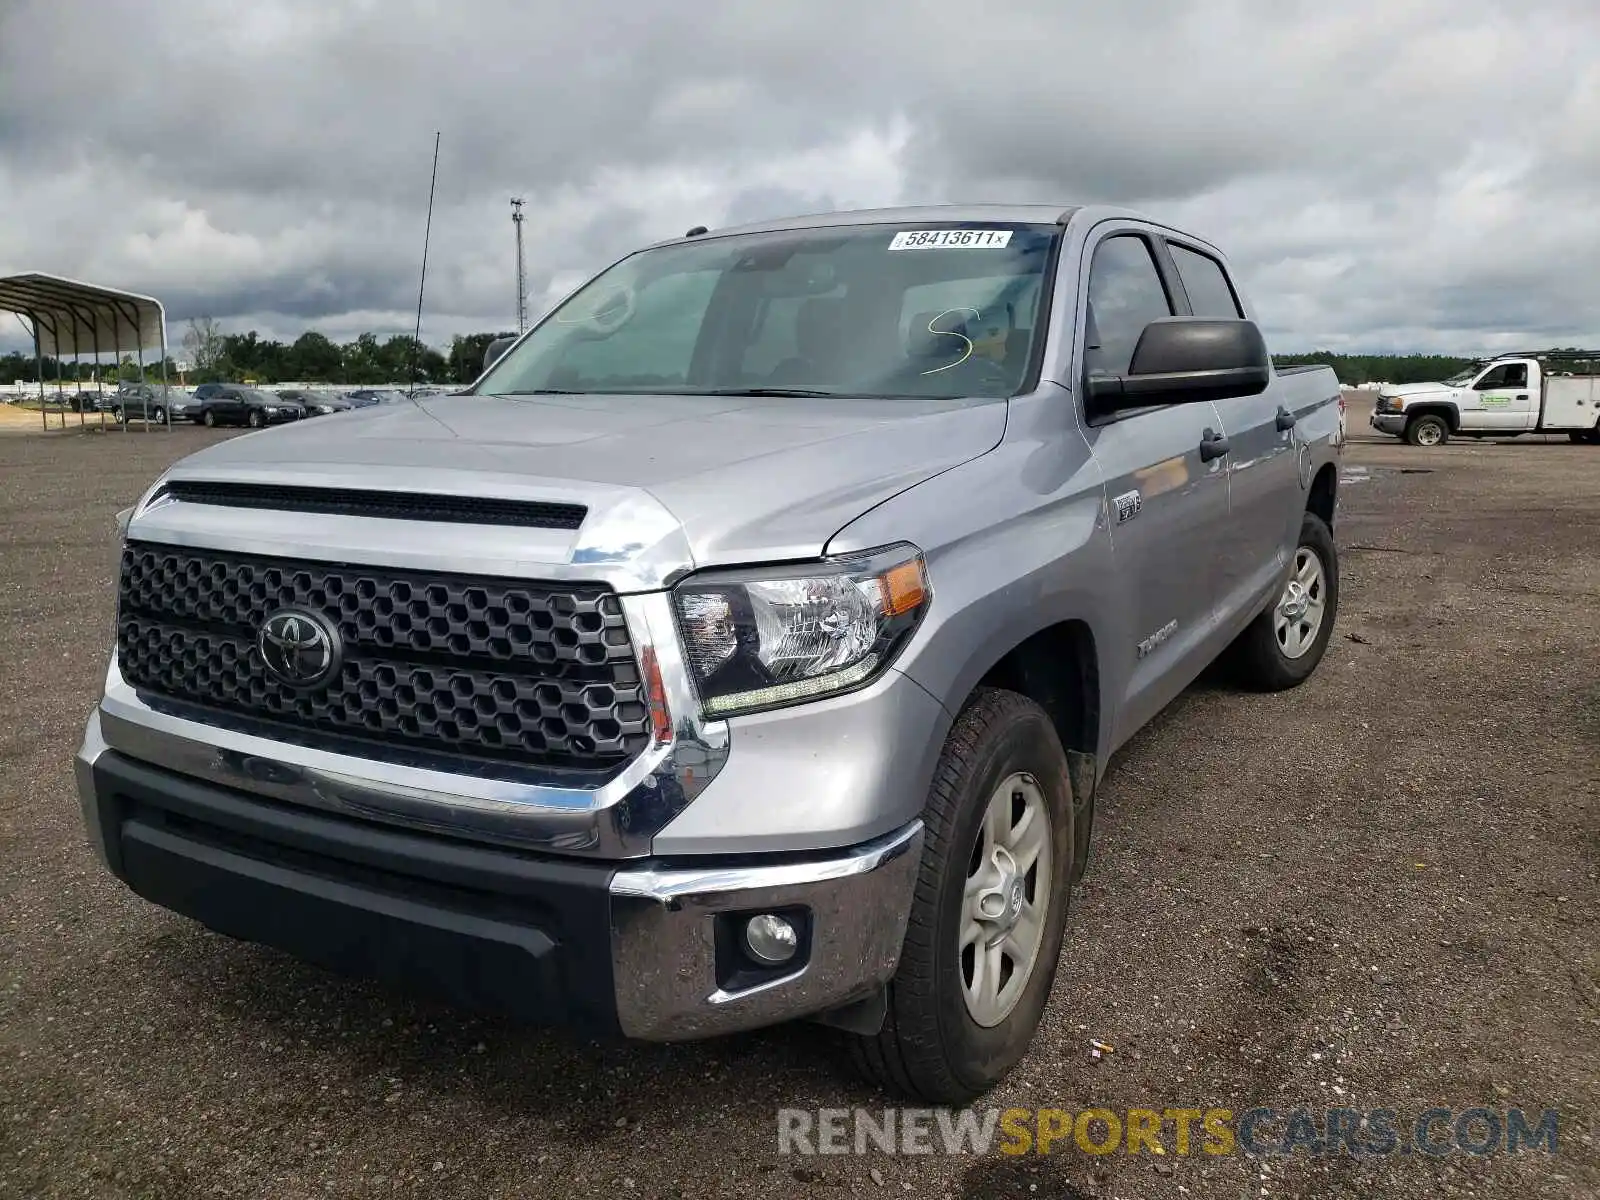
{"x":1385,"y":173}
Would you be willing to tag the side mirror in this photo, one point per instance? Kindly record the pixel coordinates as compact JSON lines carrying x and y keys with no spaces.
{"x":1186,"y":360}
{"x":496,"y":350}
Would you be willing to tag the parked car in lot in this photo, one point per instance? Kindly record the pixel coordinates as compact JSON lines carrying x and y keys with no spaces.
{"x":144,"y":402}
{"x":88,"y":401}
{"x":229,"y":404}
{"x":367,"y":397}
{"x":1499,"y":397}
{"x":316,"y":403}
{"x":748,"y":644}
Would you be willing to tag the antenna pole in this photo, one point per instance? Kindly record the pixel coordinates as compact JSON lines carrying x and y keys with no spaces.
{"x":427,"y":232}
{"x":522,"y":271}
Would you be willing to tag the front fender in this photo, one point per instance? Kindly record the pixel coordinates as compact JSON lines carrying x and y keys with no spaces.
{"x":1016,"y":541}
{"x":1448,"y":409}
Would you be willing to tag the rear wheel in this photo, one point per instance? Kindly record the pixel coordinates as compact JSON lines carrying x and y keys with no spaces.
{"x":1283,"y":645}
{"x":984,"y":935}
{"x":1427,"y":430}
{"x":118,"y":415}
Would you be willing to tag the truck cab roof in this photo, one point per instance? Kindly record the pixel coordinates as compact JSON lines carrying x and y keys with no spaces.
{"x":1041,"y":214}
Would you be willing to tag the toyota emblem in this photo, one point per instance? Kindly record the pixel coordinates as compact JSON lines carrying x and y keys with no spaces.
{"x":299,"y":648}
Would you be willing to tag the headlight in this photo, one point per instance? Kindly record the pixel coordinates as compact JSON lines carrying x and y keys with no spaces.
{"x":766,"y":637}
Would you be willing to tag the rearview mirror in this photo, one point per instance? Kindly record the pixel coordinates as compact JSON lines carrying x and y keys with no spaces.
{"x":496,"y":349}
{"x":1186,"y":360}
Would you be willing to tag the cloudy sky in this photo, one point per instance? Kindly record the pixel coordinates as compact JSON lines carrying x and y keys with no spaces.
{"x":1385,"y":174}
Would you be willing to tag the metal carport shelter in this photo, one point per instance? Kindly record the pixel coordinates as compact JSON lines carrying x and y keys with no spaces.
{"x":68,"y":317}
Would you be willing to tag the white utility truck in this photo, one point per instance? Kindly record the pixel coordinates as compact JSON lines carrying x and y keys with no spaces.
{"x":1554,"y":392}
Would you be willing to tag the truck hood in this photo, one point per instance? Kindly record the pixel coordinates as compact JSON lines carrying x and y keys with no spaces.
{"x":1415,"y":389}
{"x":670,"y":482}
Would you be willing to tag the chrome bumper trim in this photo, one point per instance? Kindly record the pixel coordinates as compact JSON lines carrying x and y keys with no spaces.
{"x":615,"y":820}
{"x":663,"y":944}
{"x":89,"y":752}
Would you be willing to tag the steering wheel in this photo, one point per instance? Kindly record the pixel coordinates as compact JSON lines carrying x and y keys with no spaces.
{"x":611,"y":312}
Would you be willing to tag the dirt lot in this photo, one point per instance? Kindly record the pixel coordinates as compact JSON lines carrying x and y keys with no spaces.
{"x":1380,"y":890}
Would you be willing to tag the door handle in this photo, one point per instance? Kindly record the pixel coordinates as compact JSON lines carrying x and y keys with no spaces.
{"x":1285,"y":419}
{"x":1212,"y":445}
{"x":1522,"y":396}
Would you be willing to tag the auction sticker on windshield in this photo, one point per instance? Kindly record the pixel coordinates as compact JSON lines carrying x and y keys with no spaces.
{"x":947,"y":239}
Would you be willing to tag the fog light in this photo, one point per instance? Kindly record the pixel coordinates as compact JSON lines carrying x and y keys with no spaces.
{"x":770,"y":939}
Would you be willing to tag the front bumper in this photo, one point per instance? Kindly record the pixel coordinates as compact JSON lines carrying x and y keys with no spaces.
{"x":647,"y":948}
{"x":1389,"y":422}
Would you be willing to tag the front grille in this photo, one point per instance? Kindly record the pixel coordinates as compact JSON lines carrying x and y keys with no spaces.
{"x":536,"y":673}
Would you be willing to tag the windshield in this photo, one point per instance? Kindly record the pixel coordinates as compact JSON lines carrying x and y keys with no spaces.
{"x":256,"y":397}
{"x":1465,"y":377}
{"x":864,"y":310}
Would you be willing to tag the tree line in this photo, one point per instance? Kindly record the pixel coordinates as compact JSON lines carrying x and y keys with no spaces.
{"x":217,"y":357}
{"x":1356,"y":369}
{"x":313,"y":357}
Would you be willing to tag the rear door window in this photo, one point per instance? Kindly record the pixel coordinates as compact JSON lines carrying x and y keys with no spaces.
{"x":1210,"y":293}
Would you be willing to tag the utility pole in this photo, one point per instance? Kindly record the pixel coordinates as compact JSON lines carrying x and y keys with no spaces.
{"x":522,"y":273}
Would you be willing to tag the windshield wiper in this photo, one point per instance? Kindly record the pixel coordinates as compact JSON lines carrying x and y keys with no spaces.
{"x":764,"y":391}
{"x":540,"y":392}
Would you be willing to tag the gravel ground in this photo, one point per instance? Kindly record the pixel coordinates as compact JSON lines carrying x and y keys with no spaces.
{"x":1379,"y":890}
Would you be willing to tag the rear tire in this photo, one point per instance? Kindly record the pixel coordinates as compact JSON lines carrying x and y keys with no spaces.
{"x":1428,"y":430}
{"x":1282,"y":646}
{"x":119,"y":416}
{"x":1002,"y":750}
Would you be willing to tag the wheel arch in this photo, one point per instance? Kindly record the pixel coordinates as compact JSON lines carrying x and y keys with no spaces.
{"x":1057,"y":667}
{"x":1323,"y":498}
{"x":1450,"y":413}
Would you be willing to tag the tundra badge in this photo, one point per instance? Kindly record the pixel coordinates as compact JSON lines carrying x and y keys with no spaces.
{"x":1156,"y":638}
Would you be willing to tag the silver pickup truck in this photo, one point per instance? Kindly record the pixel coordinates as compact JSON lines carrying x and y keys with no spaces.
{"x":746,"y":644}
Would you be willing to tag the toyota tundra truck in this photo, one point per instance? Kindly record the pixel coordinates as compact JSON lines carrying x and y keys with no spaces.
{"x":746,"y":644}
{"x":1555,"y":392}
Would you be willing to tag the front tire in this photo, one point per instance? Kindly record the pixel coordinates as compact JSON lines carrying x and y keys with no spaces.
{"x":1428,"y":430}
{"x":255,"y":420}
{"x":208,"y":419}
{"x":984,"y":935}
{"x":1283,"y":645}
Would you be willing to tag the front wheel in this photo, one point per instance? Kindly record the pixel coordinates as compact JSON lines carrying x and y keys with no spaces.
{"x":1284,"y":644}
{"x":985,"y":929}
{"x":1428,"y":430}
{"x":159,"y":416}
{"x":119,"y":416}
{"x":208,"y":419}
